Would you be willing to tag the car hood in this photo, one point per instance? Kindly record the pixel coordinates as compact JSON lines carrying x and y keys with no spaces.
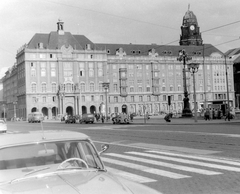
{"x":71,"y":183}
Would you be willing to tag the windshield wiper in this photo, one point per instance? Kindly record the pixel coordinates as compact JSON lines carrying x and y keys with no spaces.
{"x":36,"y":170}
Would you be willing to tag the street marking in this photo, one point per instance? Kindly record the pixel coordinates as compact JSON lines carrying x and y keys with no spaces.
{"x":164,"y":164}
{"x":146,"y":169}
{"x":209,"y":165}
{"x":130,"y":176}
{"x":174,"y":148}
{"x":198,"y":158}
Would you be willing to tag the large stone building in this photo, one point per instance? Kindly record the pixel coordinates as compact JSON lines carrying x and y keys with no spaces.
{"x":62,"y":73}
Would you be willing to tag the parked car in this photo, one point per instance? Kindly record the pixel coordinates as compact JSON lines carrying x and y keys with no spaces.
{"x":87,"y":118}
{"x":35,"y":117}
{"x":58,"y":162}
{"x":3,"y":126}
{"x":70,"y":119}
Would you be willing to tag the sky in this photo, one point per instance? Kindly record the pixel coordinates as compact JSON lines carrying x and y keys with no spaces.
{"x":116,"y":21}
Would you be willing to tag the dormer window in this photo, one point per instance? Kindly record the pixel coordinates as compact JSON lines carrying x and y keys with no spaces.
{"x":108,"y":51}
{"x":40,"y":45}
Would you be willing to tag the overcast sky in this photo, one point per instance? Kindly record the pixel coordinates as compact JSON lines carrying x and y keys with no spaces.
{"x":116,"y":21}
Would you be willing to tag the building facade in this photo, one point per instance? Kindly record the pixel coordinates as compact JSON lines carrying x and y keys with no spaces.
{"x":61,"y":73}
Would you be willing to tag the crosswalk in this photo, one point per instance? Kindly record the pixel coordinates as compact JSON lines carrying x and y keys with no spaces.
{"x":166,"y":165}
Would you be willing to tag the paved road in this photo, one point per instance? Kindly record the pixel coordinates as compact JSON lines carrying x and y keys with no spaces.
{"x":172,"y":158}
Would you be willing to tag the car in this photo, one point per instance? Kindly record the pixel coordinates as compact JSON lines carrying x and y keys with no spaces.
{"x":3,"y":126}
{"x":70,"y":119}
{"x":35,"y":117}
{"x":87,"y":118}
{"x":57,"y":162}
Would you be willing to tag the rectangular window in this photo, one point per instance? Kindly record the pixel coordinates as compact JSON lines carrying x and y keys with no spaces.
{"x":44,"y":99}
{"x":140,"y":98}
{"x":132,"y":98}
{"x":83,"y":98}
{"x":115,"y":88}
{"x":101,"y":97}
{"x":92,"y":98}
{"x":115,"y":99}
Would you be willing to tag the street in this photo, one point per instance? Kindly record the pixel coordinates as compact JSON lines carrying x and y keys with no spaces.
{"x":169,"y":158}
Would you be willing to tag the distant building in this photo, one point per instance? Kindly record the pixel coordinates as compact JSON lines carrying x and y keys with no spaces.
{"x":62,"y":73}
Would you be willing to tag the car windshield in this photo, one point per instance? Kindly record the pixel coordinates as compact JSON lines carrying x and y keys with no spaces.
{"x":36,"y":156}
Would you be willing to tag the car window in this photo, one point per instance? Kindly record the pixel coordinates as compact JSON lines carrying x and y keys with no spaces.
{"x":47,"y":153}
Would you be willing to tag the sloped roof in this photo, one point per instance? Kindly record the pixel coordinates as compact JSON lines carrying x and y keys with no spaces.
{"x":232,"y":53}
{"x":162,"y":50}
{"x":54,"y":41}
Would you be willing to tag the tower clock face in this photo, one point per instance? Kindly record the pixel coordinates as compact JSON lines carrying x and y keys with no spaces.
{"x":192,"y":27}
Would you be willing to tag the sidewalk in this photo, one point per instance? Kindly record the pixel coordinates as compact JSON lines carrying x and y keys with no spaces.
{"x":174,"y":121}
{"x":185,"y":121}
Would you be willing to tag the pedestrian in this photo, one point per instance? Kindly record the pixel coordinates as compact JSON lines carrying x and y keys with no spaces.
{"x":102,"y":118}
{"x":228,"y":115}
{"x":167,"y":117}
{"x":207,"y":114}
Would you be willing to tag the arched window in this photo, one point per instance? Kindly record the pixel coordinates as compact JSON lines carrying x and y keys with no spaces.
{"x":91,"y":87}
{"x":82,"y":87}
{"x":68,"y":87}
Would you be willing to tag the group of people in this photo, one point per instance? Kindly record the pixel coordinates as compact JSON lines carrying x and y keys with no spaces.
{"x":210,"y":114}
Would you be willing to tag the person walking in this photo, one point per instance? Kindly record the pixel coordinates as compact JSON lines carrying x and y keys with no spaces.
{"x":228,"y":115}
{"x":207,"y":114}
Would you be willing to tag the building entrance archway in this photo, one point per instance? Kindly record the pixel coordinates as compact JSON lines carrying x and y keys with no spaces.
{"x":92,"y":109}
{"x":34,"y":109}
{"x":69,"y":110}
{"x":84,"y":110}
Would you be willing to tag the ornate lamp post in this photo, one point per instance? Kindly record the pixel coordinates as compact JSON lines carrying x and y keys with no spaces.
{"x":193,"y":68}
{"x":226,"y":68}
{"x":186,"y":109}
{"x":106,"y":87}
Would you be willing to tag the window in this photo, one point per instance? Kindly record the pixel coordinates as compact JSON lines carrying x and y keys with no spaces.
{"x":101,"y":97}
{"x":132,"y":98}
{"x":179,"y":97}
{"x":164,"y":98}
{"x":148,"y":98}
{"x":92,"y":98}
{"x":34,"y":87}
{"x":163,"y":88}
{"x":140,"y":98}
{"x":69,"y":87}
{"x":148,"y":88}
{"x":131,"y":89}
{"x":100,"y":72}
{"x":44,"y":87}
{"x":171,"y":88}
{"x":33,"y":72}
{"x":91,"y":73}
{"x":115,"y":99}
{"x":43,"y":69}
{"x":139,"y":89}
{"x":82,"y":86}
{"x":91,"y":87}
{"x":115,"y":87}
{"x":44,"y":99}
{"x":68,"y":70}
{"x":54,"y":87}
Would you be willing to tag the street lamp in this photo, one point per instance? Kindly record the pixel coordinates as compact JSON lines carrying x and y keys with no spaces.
{"x":228,"y":108}
{"x":193,"y":68}
{"x":3,"y":111}
{"x":186,"y":112}
{"x":106,"y":87}
{"x":14,"y":107}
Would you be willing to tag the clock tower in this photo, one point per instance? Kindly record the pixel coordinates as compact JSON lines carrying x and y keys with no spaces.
{"x":190,"y":34}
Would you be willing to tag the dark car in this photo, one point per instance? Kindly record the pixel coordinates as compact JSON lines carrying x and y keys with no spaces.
{"x":87,"y":118}
{"x":70,"y":119}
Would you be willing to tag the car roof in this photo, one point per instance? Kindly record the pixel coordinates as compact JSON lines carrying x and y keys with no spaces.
{"x":18,"y":138}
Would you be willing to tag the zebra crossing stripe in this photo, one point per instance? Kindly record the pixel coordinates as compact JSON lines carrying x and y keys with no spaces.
{"x":198,"y":158}
{"x":164,"y":164}
{"x":146,"y":169}
{"x":130,"y":176}
{"x":210,"y":165}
